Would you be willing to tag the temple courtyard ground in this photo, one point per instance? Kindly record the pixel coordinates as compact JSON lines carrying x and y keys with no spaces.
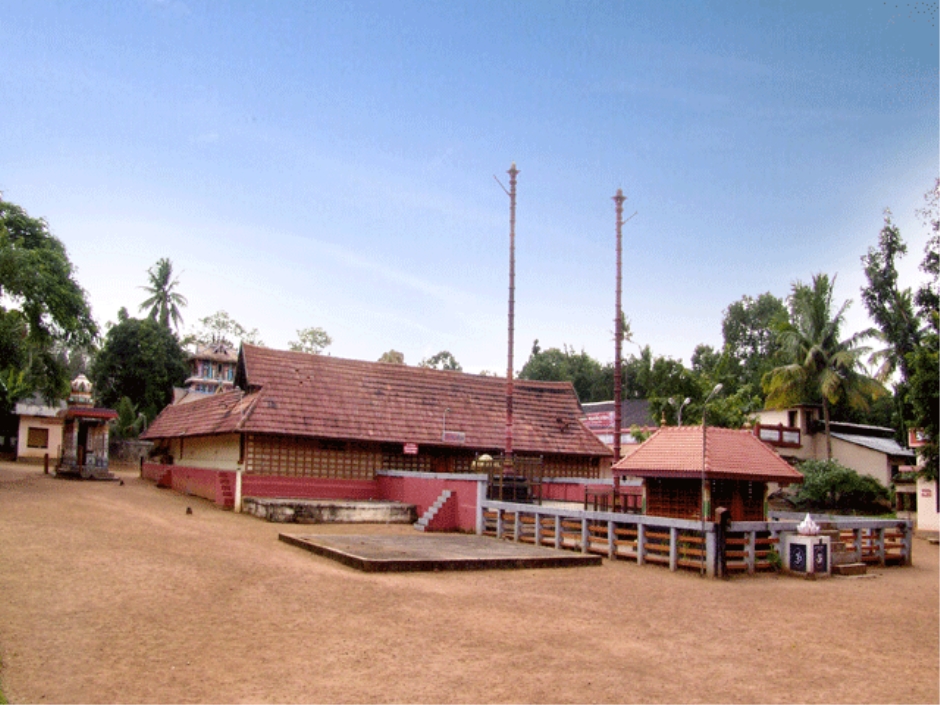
{"x":113,"y":593}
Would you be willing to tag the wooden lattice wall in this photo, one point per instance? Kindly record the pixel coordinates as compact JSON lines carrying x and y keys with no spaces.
{"x":305,"y":457}
{"x":669,"y":497}
{"x":291,"y":456}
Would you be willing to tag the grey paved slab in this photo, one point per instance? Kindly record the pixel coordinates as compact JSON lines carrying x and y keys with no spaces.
{"x":429,"y":552}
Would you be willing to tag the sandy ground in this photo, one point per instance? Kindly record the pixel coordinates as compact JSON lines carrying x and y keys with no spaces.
{"x":113,"y":593}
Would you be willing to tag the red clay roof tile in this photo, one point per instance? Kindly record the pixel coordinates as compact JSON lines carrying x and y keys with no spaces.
{"x":326,"y":397}
{"x":677,"y":452}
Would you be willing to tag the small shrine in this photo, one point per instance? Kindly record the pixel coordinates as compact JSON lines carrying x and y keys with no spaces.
{"x":85,"y":435}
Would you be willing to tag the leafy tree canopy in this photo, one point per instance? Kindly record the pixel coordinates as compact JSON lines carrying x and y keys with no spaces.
{"x":441,"y":361}
{"x":48,"y":311}
{"x":220,"y":327}
{"x":311,"y":340}
{"x":142,"y":360}
{"x":565,"y":365}
{"x":829,"y":485}
{"x":750,"y":338}
{"x":393,"y":357}
{"x":891,"y":308}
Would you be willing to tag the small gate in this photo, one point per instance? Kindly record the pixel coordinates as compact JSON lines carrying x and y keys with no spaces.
{"x":521,"y":484}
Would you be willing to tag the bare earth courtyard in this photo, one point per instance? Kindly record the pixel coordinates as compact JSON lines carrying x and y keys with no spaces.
{"x":112,"y":593}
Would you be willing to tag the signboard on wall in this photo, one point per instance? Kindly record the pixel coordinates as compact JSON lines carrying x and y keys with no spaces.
{"x":410,"y":449}
{"x":454,"y":437}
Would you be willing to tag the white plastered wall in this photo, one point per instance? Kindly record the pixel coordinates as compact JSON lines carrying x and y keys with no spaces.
{"x":215,"y":452}
{"x":54,"y":445}
{"x":928,"y":519}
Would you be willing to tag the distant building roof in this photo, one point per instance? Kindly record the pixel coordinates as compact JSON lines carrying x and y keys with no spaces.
{"x":888,"y":446}
{"x":676,"y":451}
{"x":292,"y":393}
{"x":219,"y":351}
{"x":35,"y":405}
{"x":633,"y":412}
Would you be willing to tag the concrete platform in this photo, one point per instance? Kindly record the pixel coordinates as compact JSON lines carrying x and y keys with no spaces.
{"x":425,"y":552}
{"x":330,"y":511}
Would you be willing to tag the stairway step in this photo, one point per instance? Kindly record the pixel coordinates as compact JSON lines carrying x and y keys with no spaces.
{"x":850,"y":569}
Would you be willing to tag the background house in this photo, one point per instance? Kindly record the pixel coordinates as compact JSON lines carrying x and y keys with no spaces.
{"x":799,"y":434}
{"x":212,"y":370}
{"x":40,"y":429}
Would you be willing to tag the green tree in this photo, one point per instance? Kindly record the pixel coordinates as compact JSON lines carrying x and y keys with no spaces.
{"x":828,"y":485}
{"x":220,"y":327}
{"x":891,"y":308}
{"x":565,"y":365}
{"x":818,"y":365}
{"x":393,"y":357}
{"x":139,"y":359}
{"x":42,"y":306}
{"x":164,"y":303}
{"x":130,"y":422}
{"x":311,"y":340}
{"x":750,"y":340}
{"x":924,"y":361}
{"x":441,"y":361}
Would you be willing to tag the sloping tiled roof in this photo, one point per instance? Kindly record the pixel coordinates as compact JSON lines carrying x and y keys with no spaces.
{"x":319,"y":396}
{"x":216,"y":413}
{"x":677,"y":452}
{"x":888,"y":446}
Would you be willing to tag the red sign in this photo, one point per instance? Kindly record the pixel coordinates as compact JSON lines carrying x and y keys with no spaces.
{"x":410,"y":449}
{"x":600,"y":421}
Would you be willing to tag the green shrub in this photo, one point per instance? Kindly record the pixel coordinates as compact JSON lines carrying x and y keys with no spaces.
{"x":829,"y":485}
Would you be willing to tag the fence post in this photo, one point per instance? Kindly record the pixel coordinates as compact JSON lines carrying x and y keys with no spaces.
{"x":611,"y":540}
{"x":45,"y":464}
{"x":859,"y":553}
{"x":499,"y":522}
{"x":673,"y":548}
{"x":907,"y":536}
{"x":640,"y":544}
{"x":751,"y":552}
{"x":585,"y":535}
{"x":538,"y":529}
{"x":710,"y":554}
{"x":516,"y":526}
{"x":558,"y":531}
{"x":881,"y":546}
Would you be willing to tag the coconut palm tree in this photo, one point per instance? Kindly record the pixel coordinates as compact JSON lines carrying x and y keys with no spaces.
{"x":163,"y":302}
{"x":817,"y":364}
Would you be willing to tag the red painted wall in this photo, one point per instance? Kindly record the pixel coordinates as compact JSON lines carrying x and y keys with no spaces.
{"x":215,"y":485}
{"x":422,"y":490}
{"x":460,"y":512}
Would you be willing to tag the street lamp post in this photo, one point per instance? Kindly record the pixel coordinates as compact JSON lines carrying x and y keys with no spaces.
{"x":713,"y":392}
{"x":681,"y":407}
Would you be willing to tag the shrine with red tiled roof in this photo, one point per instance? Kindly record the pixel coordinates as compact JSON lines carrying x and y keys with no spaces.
{"x":321,"y":426}
{"x":683,"y":466}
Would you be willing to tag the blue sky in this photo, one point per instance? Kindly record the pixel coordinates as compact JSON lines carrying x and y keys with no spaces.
{"x":331,"y":163}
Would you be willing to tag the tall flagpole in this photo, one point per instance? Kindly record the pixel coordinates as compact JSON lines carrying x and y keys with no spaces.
{"x":618,"y":340}
{"x":513,"y":173}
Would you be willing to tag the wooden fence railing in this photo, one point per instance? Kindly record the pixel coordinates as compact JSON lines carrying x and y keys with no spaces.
{"x":680,"y":543}
{"x":677,"y":543}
